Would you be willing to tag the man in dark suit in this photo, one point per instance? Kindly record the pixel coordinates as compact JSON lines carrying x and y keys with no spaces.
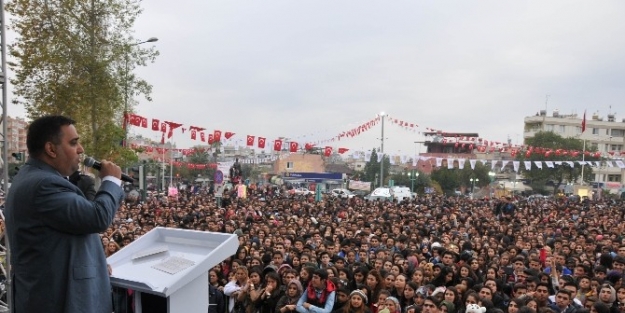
{"x":57,"y":260}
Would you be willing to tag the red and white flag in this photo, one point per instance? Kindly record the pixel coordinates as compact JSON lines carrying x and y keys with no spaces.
{"x":144,"y":122}
{"x":217,"y":135}
{"x":228,"y":135}
{"x":193,"y":134}
{"x":584,"y":122}
{"x":261,"y":142}
{"x":277,"y":145}
{"x":250,"y":140}
{"x":293,"y":146}
{"x":327,"y":151}
{"x":155,"y":124}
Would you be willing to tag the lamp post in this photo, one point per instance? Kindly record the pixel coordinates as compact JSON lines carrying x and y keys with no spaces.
{"x":413,"y":176}
{"x":473,"y":181}
{"x":382,"y":152}
{"x":491,"y":175}
{"x":151,"y":39}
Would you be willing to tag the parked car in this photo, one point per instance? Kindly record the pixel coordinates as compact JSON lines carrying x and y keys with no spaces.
{"x":303,"y":191}
{"x":342,"y":193}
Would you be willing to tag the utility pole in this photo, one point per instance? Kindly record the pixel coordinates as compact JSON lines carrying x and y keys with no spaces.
{"x":382,"y":152}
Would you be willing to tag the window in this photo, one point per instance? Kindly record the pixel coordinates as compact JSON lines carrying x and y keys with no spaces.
{"x":617,"y":133}
{"x":614,"y":177}
{"x":595,"y":131}
{"x":562,"y":129}
{"x":289,"y":165}
{"x":616,"y":147}
{"x":549,"y":128}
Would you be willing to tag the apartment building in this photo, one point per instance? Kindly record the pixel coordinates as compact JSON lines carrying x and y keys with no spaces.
{"x":606,"y":135}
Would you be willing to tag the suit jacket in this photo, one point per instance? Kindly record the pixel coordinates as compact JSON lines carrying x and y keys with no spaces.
{"x":57,"y":258}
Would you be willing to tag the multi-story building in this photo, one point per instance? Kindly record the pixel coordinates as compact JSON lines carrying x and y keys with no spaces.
{"x":16,"y":138}
{"x":603,"y":135}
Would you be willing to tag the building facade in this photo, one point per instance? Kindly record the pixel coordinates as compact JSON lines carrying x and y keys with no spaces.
{"x":605,"y":135}
{"x":16,"y":138}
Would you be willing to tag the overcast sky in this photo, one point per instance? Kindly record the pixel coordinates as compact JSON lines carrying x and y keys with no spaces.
{"x":315,"y":68}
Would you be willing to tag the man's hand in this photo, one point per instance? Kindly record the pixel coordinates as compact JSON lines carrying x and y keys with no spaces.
{"x":307,"y":305}
{"x":110,"y":169}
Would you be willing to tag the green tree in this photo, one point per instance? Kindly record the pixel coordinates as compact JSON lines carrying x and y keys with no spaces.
{"x":372,"y":168}
{"x":446,"y":178}
{"x":555,"y":148}
{"x":420,"y":182}
{"x":76,"y":58}
{"x":480,"y":172}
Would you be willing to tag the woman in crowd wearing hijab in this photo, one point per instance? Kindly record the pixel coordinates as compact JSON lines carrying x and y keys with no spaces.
{"x":287,"y":303}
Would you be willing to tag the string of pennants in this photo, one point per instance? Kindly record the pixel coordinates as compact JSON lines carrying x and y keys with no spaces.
{"x":489,"y":146}
{"x":461,"y":162}
{"x":201,"y":133}
{"x":470,"y":143}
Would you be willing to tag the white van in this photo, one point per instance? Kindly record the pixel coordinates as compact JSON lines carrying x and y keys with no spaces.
{"x":401,"y":193}
{"x":398,"y":193}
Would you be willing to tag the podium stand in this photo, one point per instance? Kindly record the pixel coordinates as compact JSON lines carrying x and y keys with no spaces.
{"x":169,"y":267}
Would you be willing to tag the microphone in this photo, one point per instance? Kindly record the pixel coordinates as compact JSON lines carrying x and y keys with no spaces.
{"x":93,"y":163}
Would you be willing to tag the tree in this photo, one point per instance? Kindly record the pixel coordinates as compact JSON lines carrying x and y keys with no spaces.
{"x":76,"y":58}
{"x":420,"y":182}
{"x":372,"y":168}
{"x":446,"y":178}
{"x":480,"y":172}
{"x":553,"y":147}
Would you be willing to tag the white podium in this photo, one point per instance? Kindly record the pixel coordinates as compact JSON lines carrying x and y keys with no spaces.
{"x":169,"y":267}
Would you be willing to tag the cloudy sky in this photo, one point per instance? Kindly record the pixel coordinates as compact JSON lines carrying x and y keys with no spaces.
{"x":310,"y":69}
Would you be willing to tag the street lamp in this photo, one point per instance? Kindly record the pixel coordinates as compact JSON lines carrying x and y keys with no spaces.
{"x":491,"y":175}
{"x":413,"y":176}
{"x":382,"y":152}
{"x":473,"y":181}
{"x":151,"y":39}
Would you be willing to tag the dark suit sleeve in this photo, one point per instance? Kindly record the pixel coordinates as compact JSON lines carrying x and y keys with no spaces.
{"x":62,"y":208}
{"x":87,"y":186}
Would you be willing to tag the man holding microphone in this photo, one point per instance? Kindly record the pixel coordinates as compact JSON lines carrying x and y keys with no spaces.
{"x":57,"y":259}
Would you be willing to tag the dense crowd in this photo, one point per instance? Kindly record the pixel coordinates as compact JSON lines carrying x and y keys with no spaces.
{"x":430,"y":254}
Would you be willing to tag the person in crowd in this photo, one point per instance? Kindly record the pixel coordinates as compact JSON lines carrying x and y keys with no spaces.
{"x":319,"y":296}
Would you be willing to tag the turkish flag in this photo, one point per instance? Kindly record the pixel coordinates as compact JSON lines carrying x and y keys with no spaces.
{"x":261,"y":142}
{"x":277,"y":145}
{"x":193,"y":134}
{"x":211,"y":139}
{"x":308,"y":146}
{"x":155,"y":124}
{"x":293,"y":146}
{"x":217,"y":135}
{"x":250,"y":140}
{"x":163,"y":127}
{"x":228,"y":135}
{"x":327,"y":151}
{"x":202,"y":137}
{"x":343,"y":150}
{"x":134,"y":120}
{"x":144,"y":122}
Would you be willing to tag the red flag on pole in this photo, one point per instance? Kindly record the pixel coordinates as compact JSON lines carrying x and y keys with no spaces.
{"x":211,"y":139}
{"x":228,"y":135}
{"x":261,"y":142}
{"x":584,"y":122}
{"x":343,"y":150}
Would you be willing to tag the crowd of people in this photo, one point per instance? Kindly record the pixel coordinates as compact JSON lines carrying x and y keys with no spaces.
{"x":430,"y":254}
